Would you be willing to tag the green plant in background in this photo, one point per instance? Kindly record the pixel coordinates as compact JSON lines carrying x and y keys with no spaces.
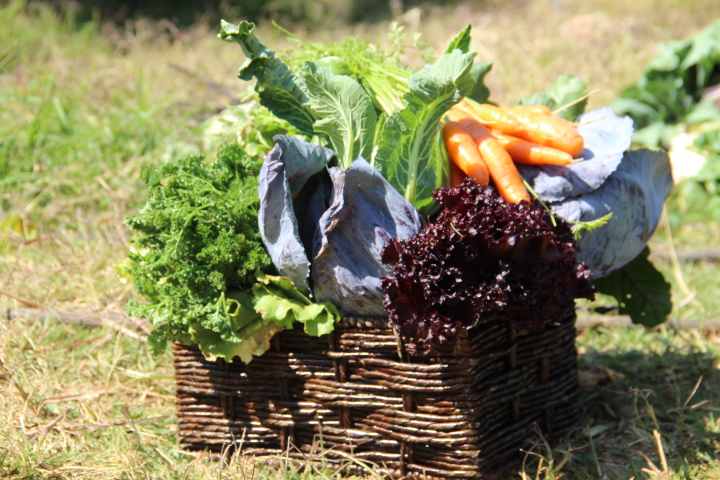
{"x":675,"y":107}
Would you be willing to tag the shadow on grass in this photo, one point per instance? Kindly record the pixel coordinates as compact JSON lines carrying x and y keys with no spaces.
{"x":634,"y":382}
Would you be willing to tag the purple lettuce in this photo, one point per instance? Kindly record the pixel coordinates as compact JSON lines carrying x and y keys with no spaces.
{"x":482,"y":257}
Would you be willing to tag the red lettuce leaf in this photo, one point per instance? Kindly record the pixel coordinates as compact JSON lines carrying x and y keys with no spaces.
{"x":482,"y":257}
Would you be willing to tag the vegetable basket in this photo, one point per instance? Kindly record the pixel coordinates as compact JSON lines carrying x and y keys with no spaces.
{"x":463,"y":411}
{"x":458,"y":295}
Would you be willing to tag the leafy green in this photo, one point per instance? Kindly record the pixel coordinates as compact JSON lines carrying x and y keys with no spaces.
{"x":406,"y":155}
{"x":674,"y":99}
{"x":671,"y":89}
{"x":275,"y":305}
{"x":364,"y":104}
{"x":480,"y":92}
{"x":377,"y":69}
{"x":461,"y":41}
{"x":198,"y":260}
{"x":640,"y":289}
{"x":697,"y":199}
{"x":567,"y":91}
{"x":279,"y":300}
{"x":255,"y":340}
{"x":196,"y":235}
{"x":344,"y":111}
{"x":275,"y":82}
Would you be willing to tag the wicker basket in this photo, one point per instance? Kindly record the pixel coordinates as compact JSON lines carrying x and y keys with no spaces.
{"x":459,"y":413}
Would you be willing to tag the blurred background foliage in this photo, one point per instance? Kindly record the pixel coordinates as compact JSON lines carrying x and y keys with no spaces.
{"x":312,"y":13}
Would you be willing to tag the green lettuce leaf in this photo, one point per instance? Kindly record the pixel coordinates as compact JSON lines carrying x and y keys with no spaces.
{"x":235,"y":330}
{"x":252,"y":320}
{"x":255,"y":341}
{"x":641,"y":291}
{"x":275,"y":82}
{"x":345,"y":112}
{"x":277,"y":299}
{"x":566,"y":90}
{"x":407,"y":155}
{"x":233,"y":312}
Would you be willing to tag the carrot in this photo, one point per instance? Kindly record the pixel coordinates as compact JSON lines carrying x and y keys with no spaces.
{"x":490,"y":115}
{"x":499,"y":163}
{"x":464,"y":153}
{"x":457,"y":114}
{"x":456,"y":175}
{"x":530,"y":153}
{"x":550,"y":131}
{"x":544,"y":109}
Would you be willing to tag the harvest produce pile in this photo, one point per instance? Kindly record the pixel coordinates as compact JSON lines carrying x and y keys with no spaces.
{"x":343,"y":190}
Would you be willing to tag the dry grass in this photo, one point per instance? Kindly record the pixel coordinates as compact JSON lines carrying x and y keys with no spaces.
{"x":81,"y":110}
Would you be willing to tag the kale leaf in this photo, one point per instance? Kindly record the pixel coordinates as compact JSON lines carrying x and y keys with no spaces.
{"x":196,"y":236}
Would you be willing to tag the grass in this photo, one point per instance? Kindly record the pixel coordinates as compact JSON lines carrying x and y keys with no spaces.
{"x":84,"y":107}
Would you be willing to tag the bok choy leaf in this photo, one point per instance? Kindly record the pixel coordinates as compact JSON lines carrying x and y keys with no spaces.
{"x":275,"y":82}
{"x":405,"y":154}
{"x":345,"y":112}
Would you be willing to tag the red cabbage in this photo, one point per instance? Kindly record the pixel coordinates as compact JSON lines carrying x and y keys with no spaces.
{"x":482,"y":257}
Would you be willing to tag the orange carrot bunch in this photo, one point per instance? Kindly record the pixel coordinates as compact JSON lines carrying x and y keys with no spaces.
{"x":486,"y":141}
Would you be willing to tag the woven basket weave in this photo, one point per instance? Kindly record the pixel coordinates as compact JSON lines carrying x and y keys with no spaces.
{"x":462,"y":412}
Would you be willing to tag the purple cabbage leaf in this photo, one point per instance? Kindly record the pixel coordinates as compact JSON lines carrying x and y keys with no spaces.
{"x":365,"y":214}
{"x":635,"y":194}
{"x":324,"y":228}
{"x":287,"y":169}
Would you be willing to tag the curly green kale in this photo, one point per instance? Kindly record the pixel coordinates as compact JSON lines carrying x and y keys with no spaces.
{"x":196,"y":238}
